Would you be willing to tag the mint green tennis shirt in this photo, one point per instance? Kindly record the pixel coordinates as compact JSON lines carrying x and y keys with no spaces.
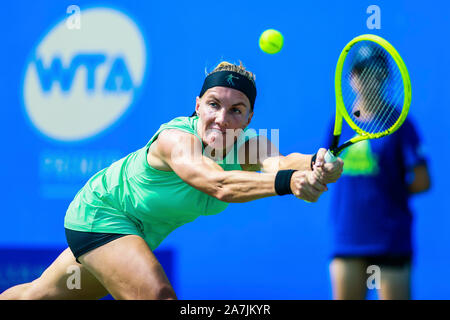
{"x":131,"y":197}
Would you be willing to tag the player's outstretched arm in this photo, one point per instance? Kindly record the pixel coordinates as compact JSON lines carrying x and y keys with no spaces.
{"x":182,"y":152}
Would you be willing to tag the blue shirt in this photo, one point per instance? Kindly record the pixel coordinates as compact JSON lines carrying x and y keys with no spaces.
{"x":370,"y":214}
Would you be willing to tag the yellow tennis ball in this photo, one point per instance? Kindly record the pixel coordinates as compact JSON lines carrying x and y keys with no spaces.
{"x":271,"y":41}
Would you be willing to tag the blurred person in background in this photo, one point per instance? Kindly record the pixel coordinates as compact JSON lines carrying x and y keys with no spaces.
{"x":371,"y":220}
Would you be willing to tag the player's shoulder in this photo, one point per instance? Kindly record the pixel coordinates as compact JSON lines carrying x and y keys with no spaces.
{"x":173,"y":143}
{"x":180,"y":125}
{"x":176,"y":130}
{"x":174,"y":134}
{"x":182,"y":122}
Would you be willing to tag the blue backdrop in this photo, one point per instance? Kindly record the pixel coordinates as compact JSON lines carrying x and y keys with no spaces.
{"x":74,"y":100}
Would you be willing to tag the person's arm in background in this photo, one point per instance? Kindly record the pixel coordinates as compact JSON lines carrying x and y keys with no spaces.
{"x":421,"y":179}
{"x":418,"y":177}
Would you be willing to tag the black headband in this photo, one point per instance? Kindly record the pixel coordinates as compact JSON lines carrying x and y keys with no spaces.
{"x":232,"y":80}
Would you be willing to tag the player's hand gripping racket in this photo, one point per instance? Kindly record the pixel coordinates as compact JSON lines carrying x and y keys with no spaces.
{"x":373,"y":91}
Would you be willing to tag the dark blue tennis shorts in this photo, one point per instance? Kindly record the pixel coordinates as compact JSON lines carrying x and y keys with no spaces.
{"x":81,"y":242}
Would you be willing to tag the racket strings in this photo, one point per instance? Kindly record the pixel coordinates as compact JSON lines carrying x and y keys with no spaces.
{"x":399,"y":94}
{"x":368,"y":73}
{"x":372,"y":86}
{"x":386,"y":110}
{"x":379,"y":107}
{"x":371,"y":94}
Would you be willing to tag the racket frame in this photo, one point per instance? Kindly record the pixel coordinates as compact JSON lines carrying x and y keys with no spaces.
{"x":341,"y":112}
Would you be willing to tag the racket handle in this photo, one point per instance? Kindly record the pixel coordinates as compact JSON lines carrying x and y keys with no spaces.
{"x":329,"y":157}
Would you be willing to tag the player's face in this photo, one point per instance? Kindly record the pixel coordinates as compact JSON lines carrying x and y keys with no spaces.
{"x":221,"y":112}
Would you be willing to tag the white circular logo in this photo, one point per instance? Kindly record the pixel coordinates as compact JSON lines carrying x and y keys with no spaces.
{"x":81,"y":81}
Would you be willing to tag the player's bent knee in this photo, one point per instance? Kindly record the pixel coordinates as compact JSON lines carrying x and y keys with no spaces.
{"x":155,"y":292}
{"x":166,"y":292}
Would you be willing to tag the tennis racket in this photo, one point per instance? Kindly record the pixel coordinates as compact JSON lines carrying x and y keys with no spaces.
{"x":373,"y":91}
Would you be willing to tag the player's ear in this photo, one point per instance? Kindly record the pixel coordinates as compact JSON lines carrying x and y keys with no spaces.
{"x":197,"y":104}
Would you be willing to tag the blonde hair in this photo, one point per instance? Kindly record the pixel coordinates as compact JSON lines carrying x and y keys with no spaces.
{"x":227,"y":66}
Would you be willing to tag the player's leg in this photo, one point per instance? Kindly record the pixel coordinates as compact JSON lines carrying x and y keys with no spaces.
{"x":58,"y":282}
{"x":395,"y":282}
{"x":128,"y":269}
{"x":348,"y":278}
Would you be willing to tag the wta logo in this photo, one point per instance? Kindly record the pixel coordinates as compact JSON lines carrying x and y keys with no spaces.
{"x":79,"y":82}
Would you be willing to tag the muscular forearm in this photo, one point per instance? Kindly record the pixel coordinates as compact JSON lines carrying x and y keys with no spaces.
{"x":241,"y":186}
{"x":294,"y":161}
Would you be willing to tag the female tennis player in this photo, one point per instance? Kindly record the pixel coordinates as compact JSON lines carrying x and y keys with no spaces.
{"x":192,"y":166}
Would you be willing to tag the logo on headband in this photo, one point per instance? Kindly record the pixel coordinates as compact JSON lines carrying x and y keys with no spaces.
{"x":230,"y":78}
